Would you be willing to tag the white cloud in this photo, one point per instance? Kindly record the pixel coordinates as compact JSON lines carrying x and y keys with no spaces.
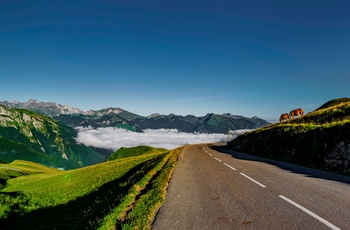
{"x":114,"y":138}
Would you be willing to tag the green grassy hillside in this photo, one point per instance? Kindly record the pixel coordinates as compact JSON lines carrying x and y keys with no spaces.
{"x":133,"y":151}
{"x":118,"y":194}
{"x":30,"y":136}
{"x":28,"y":167}
{"x":21,"y":168}
{"x":11,"y":150}
{"x":334,"y":102}
{"x":320,"y":139}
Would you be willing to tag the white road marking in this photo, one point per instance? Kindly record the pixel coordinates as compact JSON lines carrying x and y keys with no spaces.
{"x":256,"y":182}
{"x":310,"y":213}
{"x":230,"y":166}
{"x":217,"y":159}
{"x":207,"y":151}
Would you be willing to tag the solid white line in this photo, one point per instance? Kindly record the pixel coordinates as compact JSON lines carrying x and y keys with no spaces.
{"x":217,"y":159}
{"x":256,"y":182}
{"x":230,"y":166}
{"x":310,"y":213}
{"x":210,"y":154}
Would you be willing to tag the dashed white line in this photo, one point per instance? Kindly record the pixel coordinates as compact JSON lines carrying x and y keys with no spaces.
{"x":206,"y":151}
{"x":330,"y":225}
{"x":230,"y":166}
{"x":256,"y":182}
{"x":217,"y":159}
{"x":310,"y":213}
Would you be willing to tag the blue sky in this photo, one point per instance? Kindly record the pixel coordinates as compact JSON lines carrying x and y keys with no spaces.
{"x":245,"y":57}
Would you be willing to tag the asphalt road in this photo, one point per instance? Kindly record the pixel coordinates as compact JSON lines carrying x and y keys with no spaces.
{"x":213,"y":188}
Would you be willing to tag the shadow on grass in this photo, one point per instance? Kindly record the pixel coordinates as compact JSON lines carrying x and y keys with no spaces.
{"x":85,"y":212}
{"x":133,"y":217}
{"x":310,"y":172}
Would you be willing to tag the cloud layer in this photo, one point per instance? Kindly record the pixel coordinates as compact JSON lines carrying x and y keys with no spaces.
{"x":113,"y":138}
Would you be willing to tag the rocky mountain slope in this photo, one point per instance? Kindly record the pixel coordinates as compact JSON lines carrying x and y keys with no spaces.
{"x":119,"y":118}
{"x":31,"y":136}
{"x":50,"y":109}
{"x":319,"y":139}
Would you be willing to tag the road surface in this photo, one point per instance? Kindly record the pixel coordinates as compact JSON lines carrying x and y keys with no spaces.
{"x":213,"y":188}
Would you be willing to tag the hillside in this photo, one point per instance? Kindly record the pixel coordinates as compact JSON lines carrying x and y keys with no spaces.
{"x":123,"y":193}
{"x":119,"y":118}
{"x":319,"y":139}
{"x":111,"y":117}
{"x":124,"y":152}
{"x":12,"y":150}
{"x":34,"y":137}
{"x":19,"y":168}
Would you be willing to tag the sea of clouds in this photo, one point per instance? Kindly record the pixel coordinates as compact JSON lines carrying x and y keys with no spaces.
{"x":113,"y":138}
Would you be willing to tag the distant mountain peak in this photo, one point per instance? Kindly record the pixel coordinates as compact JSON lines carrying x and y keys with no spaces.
{"x":114,"y":110}
{"x":106,"y":111}
{"x":229,"y":115}
{"x":50,"y":109}
{"x":153,"y":115}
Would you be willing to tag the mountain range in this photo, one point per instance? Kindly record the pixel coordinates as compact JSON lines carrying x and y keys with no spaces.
{"x":119,"y":118}
{"x":45,"y":132}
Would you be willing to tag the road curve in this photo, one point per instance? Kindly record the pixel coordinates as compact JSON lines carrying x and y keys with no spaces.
{"x":214,"y":188}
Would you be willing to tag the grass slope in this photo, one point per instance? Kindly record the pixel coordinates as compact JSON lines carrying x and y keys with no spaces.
{"x":334,"y":102}
{"x":133,"y":151}
{"x":320,"y":139}
{"x":123,"y":194}
{"x":21,"y":168}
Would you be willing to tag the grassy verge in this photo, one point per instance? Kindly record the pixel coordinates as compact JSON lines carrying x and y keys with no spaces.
{"x":148,"y":203}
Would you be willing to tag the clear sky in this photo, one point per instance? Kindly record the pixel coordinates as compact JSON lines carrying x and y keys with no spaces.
{"x":245,"y":57}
